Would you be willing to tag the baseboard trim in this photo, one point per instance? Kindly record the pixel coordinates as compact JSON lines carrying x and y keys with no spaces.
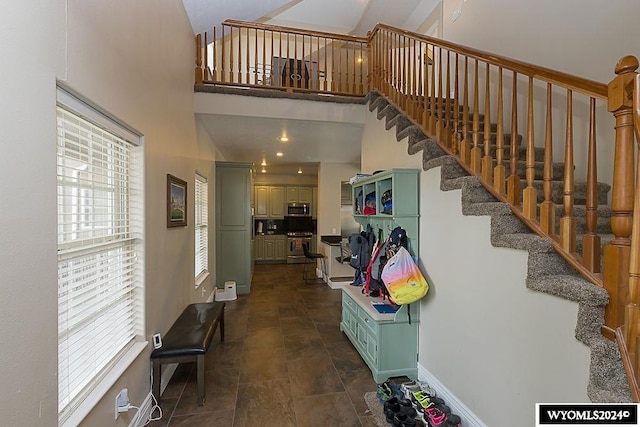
{"x":167,"y":372}
{"x":469,"y":419}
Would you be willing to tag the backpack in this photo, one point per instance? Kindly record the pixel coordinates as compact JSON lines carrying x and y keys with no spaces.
{"x":403,"y":279}
{"x":374,"y":285}
{"x":361,"y":245}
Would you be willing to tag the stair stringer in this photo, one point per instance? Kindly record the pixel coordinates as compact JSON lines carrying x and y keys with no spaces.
{"x":547,"y":271}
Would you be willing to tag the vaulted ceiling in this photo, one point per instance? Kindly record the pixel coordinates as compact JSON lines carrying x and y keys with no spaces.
{"x":246,"y":138}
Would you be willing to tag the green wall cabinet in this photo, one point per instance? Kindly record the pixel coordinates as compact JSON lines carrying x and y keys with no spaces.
{"x":233,"y":225}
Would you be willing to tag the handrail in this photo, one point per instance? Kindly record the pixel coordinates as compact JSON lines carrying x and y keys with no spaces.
{"x":559,"y":78}
{"x":278,"y":28}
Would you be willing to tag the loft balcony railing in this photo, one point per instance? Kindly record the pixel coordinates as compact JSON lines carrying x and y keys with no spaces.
{"x":534,"y":137}
{"x":255,"y":55}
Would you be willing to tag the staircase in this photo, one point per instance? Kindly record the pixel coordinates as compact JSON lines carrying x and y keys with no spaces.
{"x":547,"y":272}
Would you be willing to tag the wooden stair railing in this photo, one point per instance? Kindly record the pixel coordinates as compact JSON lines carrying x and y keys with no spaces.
{"x":257,"y":55}
{"x":535,"y":204}
{"x":432,"y":81}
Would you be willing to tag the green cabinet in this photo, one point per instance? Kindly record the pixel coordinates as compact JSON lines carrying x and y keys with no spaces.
{"x":259,"y":247}
{"x":270,"y":247}
{"x":233,"y":224}
{"x":389,"y":199}
{"x":299,"y":195}
{"x":269,"y":201}
{"x":388,"y":343}
{"x":276,"y":202}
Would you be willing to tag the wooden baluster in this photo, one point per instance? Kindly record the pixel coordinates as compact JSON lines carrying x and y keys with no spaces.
{"x":214,"y":75}
{"x":231,"y":64}
{"x":425,"y":87}
{"x":548,"y":208}
{"x":406,"y":77}
{"x":326,"y":70}
{"x":281,"y":69}
{"x":264,"y":56}
{"x":513,"y":182}
{"x":475,"y":151}
{"x":362,"y":57}
{"x":415,"y":58}
{"x":530,"y":194}
{"x":632,"y":319}
{"x":205,"y":59}
{"x":396,"y":71}
{"x":455,"y":138}
{"x":224,"y":59}
{"x":296,"y":76}
{"x":198,"y":70}
{"x":568,"y":222}
{"x":256,"y":58}
{"x":432,"y":100}
{"x":591,"y":240}
{"x":487,"y":160}
{"x":419,"y":86}
{"x":465,"y":146}
{"x":616,"y":254}
{"x":499,"y":172}
{"x":287,"y":66}
{"x":440,"y":101}
{"x":248,"y":64}
{"x":447,"y":104}
{"x":239,"y":80}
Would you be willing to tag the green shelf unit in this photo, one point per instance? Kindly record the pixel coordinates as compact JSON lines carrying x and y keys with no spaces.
{"x":404,"y":187}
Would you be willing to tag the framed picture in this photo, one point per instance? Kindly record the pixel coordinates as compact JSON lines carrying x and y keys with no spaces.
{"x":176,"y":202}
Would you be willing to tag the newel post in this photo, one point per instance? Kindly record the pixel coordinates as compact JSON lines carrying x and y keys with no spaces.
{"x":616,"y":254}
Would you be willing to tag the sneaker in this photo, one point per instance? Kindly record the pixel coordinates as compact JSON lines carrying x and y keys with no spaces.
{"x":395,"y":406}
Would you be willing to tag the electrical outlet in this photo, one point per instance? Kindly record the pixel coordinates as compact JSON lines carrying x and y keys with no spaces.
{"x":334,"y":230}
{"x":122,"y":402}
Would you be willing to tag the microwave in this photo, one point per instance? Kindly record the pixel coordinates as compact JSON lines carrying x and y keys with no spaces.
{"x":298,"y":209}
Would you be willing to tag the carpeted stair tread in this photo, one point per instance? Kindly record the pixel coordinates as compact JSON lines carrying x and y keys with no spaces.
{"x":523,"y":241}
{"x":579,"y":191}
{"x":574,"y":288}
{"x":486,"y":208}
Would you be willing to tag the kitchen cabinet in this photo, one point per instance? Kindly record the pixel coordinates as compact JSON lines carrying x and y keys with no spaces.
{"x":388,"y":343}
{"x":261,"y":201}
{"x":299,"y":195}
{"x":271,"y":247}
{"x":276,"y":202}
{"x":269,"y":201}
{"x":259,"y":248}
{"x":233,"y":224}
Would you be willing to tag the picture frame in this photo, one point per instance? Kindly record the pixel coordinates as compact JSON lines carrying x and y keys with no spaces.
{"x":176,"y":202}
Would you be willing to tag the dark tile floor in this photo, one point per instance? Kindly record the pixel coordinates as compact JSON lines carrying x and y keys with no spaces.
{"x":284,"y":362}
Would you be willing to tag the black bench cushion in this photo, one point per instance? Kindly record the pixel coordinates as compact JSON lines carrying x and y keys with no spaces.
{"x":192,"y":331}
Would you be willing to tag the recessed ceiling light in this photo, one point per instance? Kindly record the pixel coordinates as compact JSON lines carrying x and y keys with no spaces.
{"x":360,"y":60}
{"x":264,"y":163}
{"x":284,"y":139}
{"x":279,"y":154}
{"x":264,"y":170}
{"x":299,"y":170}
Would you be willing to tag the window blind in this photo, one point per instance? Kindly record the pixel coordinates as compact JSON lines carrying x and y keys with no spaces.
{"x":201,"y":227}
{"x":100,"y":275}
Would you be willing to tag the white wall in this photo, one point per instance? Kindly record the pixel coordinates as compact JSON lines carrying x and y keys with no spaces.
{"x":32,"y":48}
{"x":496,"y":346}
{"x":330,"y":177}
{"x":134,"y":60}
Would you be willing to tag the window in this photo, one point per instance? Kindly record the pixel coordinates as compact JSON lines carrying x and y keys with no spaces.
{"x":100,"y":274}
{"x":202,"y":233}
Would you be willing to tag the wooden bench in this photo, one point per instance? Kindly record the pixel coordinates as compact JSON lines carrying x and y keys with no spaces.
{"x":188,"y":340}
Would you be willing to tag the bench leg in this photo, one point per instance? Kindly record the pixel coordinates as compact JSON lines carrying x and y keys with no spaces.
{"x":201,"y":379}
{"x":156,"y":378}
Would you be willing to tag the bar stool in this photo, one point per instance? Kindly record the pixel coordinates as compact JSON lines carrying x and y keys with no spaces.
{"x":312,"y":256}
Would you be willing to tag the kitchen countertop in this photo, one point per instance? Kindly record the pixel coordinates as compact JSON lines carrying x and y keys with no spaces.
{"x":331,"y":240}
